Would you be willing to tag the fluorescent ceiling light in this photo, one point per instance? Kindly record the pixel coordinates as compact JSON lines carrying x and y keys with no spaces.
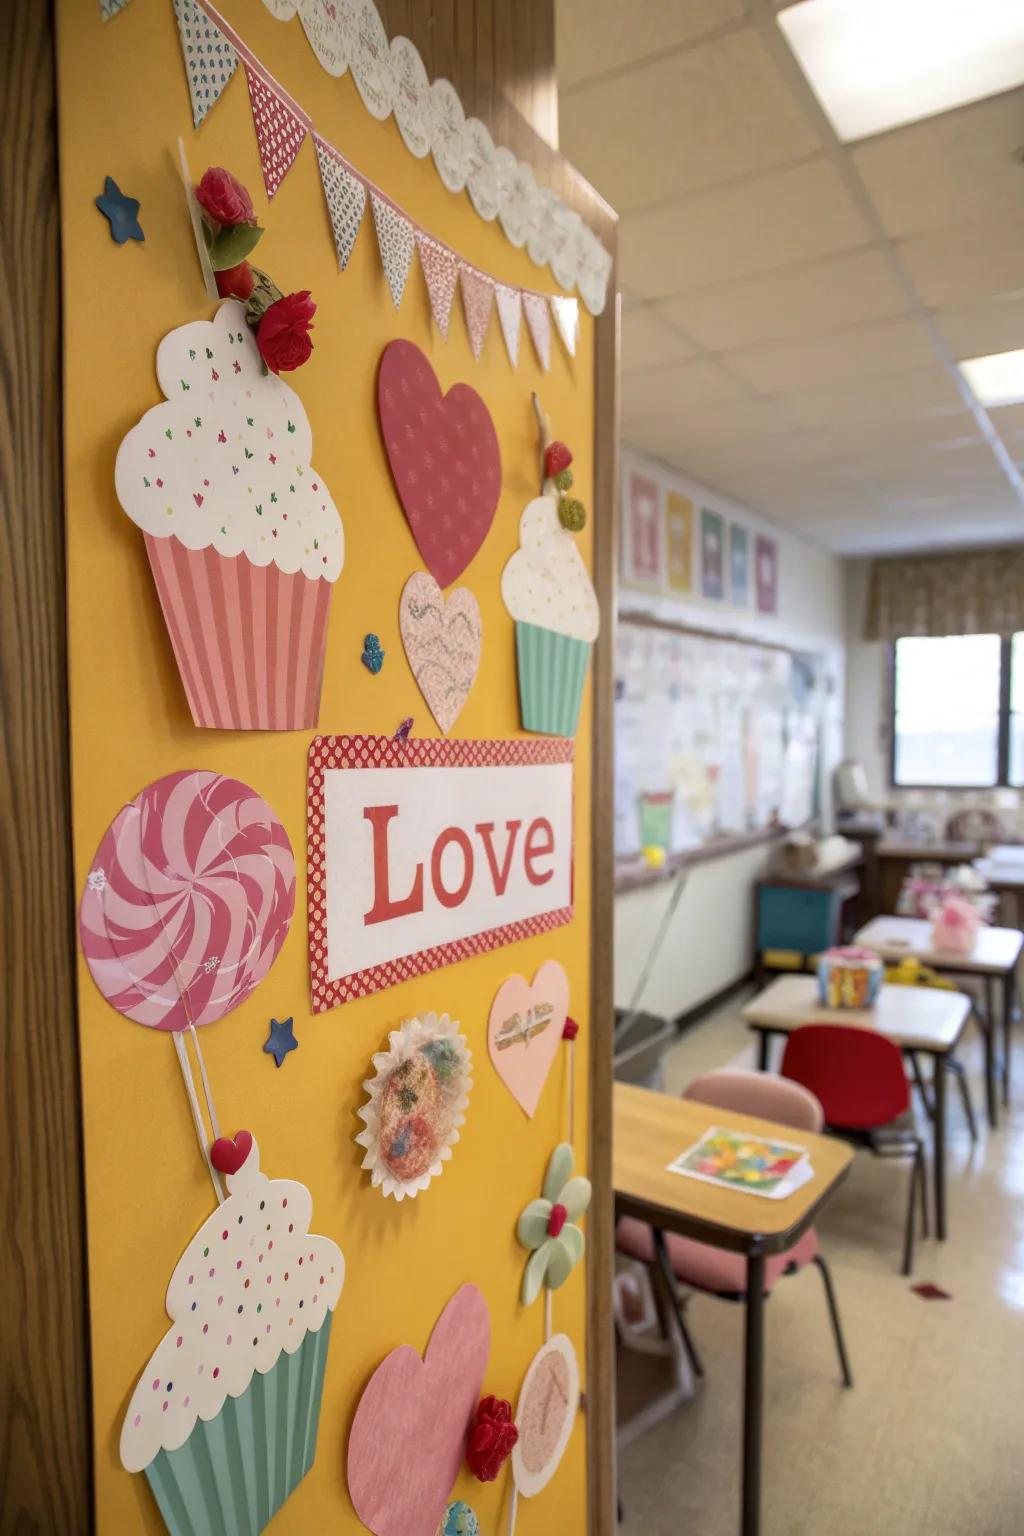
{"x":996,"y":380}
{"x":874,"y":64}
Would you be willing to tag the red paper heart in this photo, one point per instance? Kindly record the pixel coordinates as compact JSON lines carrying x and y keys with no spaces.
{"x":444,"y":457}
{"x":228,"y":1156}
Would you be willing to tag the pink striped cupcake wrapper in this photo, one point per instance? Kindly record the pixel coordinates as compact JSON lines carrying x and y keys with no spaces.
{"x":249,"y":640}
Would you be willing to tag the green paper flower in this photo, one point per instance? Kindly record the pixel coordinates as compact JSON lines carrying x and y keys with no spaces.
{"x":548,"y":1226}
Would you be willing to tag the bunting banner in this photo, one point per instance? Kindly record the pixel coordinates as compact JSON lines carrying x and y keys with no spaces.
{"x":440,"y":273}
{"x":394,"y":238}
{"x":477,"y":302}
{"x":110,"y":8}
{"x":567,"y":319}
{"x":280,"y":130}
{"x":345,"y":195}
{"x":510,"y":313}
{"x":210,"y":60}
{"x":538,"y":318}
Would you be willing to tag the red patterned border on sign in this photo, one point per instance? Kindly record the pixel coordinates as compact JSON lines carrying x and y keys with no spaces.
{"x":391,"y":752}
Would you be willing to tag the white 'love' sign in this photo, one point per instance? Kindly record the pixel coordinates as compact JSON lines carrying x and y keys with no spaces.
{"x":423,"y":852}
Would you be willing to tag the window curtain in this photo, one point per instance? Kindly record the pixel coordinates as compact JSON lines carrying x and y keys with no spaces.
{"x":973,"y":592}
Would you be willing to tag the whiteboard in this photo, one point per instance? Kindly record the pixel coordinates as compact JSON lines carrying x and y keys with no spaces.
{"x":716,"y":736}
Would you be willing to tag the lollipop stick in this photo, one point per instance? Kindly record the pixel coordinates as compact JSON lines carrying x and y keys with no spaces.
{"x":547,"y":1314}
{"x":572,"y":1076}
{"x":186,"y":1073}
{"x":214,"y":1122}
{"x":513,"y":1506}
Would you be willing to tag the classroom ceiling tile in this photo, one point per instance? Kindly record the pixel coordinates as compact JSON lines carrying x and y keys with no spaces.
{"x":962,"y":263}
{"x":1008,"y":421}
{"x":956,"y":166}
{"x":811,"y":298}
{"x":732,"y":231}
{"x":900,"y":396}
{"x":598,"y":37}
{"x":863,"y":352}
{"x":674,"y":388}
{"x":648,"y":341}
{"x":978,"y":329}
{"x":685,"y":121}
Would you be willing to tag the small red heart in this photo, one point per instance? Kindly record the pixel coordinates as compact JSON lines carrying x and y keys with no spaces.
{"x":197,"y":498}
{"x":228,"y":1156}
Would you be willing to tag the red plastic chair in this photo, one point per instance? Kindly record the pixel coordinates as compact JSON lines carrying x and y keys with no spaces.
{"x":702,"y":1267}
{"x":859,"y":1079}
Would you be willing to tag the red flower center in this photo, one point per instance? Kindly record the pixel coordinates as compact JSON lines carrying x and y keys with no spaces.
{"x":557,"y":1219}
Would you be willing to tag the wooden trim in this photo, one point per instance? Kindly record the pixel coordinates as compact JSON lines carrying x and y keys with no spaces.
{"x":635,"y":874}
{"x":45,"y":1422}
{"x":650,"y":621}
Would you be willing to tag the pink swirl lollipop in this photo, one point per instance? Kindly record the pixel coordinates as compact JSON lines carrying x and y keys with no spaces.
{"x":188,"y":900}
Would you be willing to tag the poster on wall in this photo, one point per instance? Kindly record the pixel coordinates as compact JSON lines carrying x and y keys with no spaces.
{"x":712,"y":555}
{"x":641,"y":550}
{"x":424,"y":852}
{"x":679,"y":541}
{"x":739,"y":565}
{"x":766,"y":574}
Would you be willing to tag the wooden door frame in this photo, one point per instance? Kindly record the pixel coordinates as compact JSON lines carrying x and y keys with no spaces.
{"x":45,"y":1412}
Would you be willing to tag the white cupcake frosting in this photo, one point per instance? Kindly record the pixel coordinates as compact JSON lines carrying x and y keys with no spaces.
{"x":251,"y":1284}
{"x":546,"y":581}
{"x":225,"y":461}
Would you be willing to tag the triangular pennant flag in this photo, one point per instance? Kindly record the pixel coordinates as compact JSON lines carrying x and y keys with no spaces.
{"x":110,"y":8}
{"x":346,"y":200}
{"x":538,"y":318}
{"x":477,"y":301}
{"x":440,"y":273}
{"x":394,"y":237}
{"x":279,"y":133}
{"x":510,"y":313}
{"x":210,"y":60}
{"x":567,"y":319}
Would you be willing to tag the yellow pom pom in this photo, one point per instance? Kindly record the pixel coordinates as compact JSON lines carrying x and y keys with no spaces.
{"x":654,"y":855}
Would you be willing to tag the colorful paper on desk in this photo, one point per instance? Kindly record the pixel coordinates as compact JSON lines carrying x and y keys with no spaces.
{"x":737,"y":1160}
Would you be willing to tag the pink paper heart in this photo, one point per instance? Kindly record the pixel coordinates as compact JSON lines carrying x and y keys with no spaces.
{"x":442,"y":640}
{"x":524,"y":1031}
{"x":408,"y":1436}
{"x":444,"y":457}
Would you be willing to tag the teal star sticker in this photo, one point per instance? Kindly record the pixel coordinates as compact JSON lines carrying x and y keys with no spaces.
{"x":121,"y":211}
{"x":280,"y":1041}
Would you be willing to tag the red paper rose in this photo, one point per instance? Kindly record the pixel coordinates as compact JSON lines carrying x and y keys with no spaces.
{"x":283,"y":333}
{"x":224,"y":198}
{"x":491,"y":1437}
{"x":236,"y":282}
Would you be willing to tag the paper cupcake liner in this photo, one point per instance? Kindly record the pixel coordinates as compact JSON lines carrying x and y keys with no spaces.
{"x":233,"y":1474}
{"x":249,"y":640}
{"x":552,"y":671}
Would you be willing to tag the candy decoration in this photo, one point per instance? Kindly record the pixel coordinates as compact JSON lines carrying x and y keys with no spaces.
{"x":545,"y":1414}
{"x":373,"y":655}
{"x":228,"y":1154}
{"x":556,"y":458}
{"x":572,"y":514}
{"x":547,"y":1226}
{"x":188,"y":900}
{"x":459,"y":1520}
{"x":491,"y":1437}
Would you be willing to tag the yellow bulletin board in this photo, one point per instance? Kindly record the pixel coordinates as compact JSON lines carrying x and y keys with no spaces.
{"x":123,"y":103}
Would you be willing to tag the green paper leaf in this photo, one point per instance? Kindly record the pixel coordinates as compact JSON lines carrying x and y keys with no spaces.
{"x":233,"y":245}
{"x":558,"y":1174}
{"x":560,"y":1264}
{"x":532,"y":1227}
{"x":573,"y":1242}
{"x":575,"y":1197}
{"x":533,"y":1275}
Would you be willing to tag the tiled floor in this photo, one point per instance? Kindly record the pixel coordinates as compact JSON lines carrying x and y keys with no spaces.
{"x":930,"y":1441}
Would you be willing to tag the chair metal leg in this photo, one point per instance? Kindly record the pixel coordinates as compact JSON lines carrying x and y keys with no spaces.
{"x":957,"y":1068}
{"x":920,"y":1084}
{"x":833,"y":1312}
{"x":921,"y":1173}
{"x":669,"y":1282}
{"x":908,"y":1232}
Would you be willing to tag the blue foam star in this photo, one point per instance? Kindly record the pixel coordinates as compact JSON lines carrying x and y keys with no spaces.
{"x":122,"y":212}
{"x":281,"y":1040}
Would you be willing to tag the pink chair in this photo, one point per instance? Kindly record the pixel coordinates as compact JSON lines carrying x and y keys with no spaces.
{"x":713,"y":1270}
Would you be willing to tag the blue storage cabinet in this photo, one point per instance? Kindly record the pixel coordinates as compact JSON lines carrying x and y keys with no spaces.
{"x":804,"y":919}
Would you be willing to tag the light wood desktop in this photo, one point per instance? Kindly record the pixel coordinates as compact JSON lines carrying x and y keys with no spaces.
{"x":650,"y":1130}
{"x":925,"y":1020}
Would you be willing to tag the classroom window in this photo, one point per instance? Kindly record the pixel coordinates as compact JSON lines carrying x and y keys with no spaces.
{"x":951,"y":713}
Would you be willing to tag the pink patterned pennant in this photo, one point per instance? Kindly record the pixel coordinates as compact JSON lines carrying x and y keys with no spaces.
{"x":395,"y":239}
{"x":279,"y":133}
{"x":440,"y":272}
{"x":567,"y":319}
{"x":346,"y":199}
{"x":477,"y":301}
{"x":538,"y":318}
{"x":510,"y":313}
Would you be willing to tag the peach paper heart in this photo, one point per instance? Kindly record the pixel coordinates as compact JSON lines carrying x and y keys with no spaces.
{"x":442,"y":640}
{"x":409,"y":1433}
{"x":524,"y":1031}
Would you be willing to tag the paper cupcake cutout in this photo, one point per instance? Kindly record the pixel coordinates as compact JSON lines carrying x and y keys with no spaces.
{"x":188,"y":900}
{"x":444,"y":457}
{"x":409,"y":1431}
{"x":524,"y":1031}
{"x":243,"y":538}
{"x":547,"y":1227}
{"x":224,"y":1418}
{"x":443,"y":640}
{"x":417,"y":1102}
{"x":545,"y":1415}
{"x":547,"y":590}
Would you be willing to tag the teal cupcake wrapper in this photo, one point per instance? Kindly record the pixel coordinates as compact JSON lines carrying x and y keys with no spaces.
{"x":552,"y":672}
{"x":233,"y":1474}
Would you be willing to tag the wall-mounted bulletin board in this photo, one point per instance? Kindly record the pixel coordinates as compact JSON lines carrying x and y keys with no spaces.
{"x":332,"y":709}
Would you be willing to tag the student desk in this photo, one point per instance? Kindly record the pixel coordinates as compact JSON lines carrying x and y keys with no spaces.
{"x":928,"y":1020}
{"x":993,"y":958}
{"x":650,"y":1130}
